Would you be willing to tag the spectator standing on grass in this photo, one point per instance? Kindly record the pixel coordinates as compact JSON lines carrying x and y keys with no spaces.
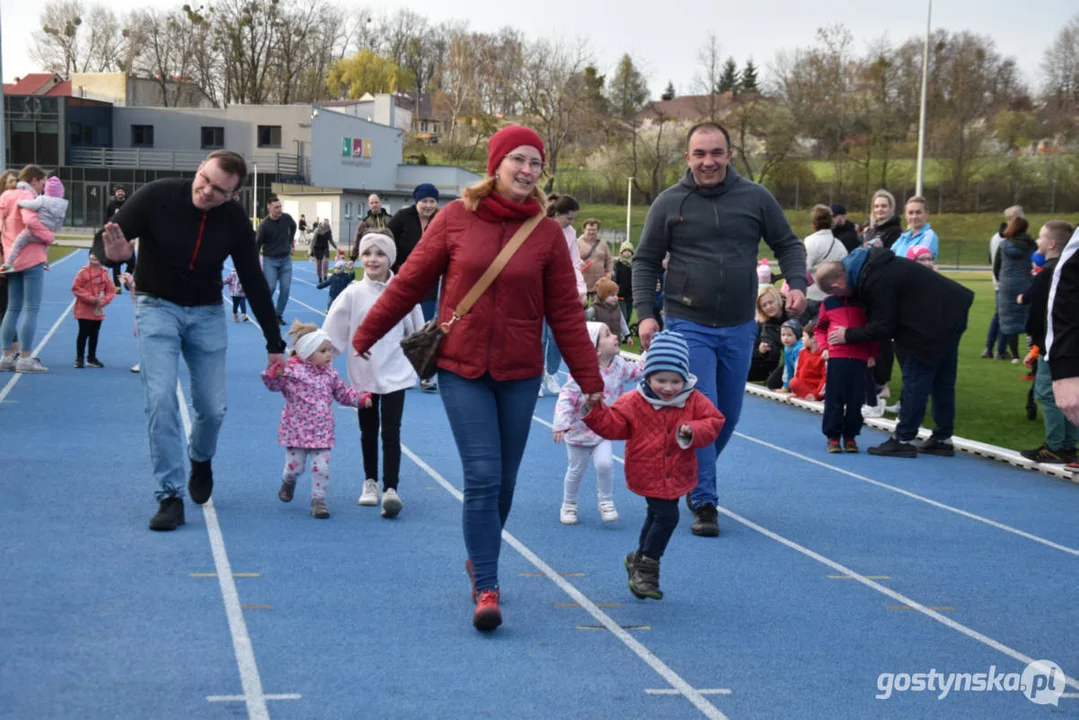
{"x":1060,"y":434}
{"x":995,"y":336}
{"x":712,"y":223}
{"x":823,"y":245}
{"x":919,"y":232}
{"x":926,"y":313}
{"x":1062,"y":333}
{"x":186,"y":230}
{"x":276,"y":239}
{"x":843,"y":229}
{"x":1012,"y":266}
{"x":883,"y":227}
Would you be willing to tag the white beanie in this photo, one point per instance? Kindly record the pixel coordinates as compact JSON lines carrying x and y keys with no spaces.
{"x":309,"y":343}
{"x":594,"y":329}
{"x":383,"y":242}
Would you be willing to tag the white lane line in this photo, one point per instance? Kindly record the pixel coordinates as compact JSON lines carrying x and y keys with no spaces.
{"x":241,"y":698}
{"x":843,"y":570}
{"x":40,"y":346}
{"x":679,"y":685}
{"x":702,"y":691}
{"x":301,"y":302}
{"x":915,"y":496}
{"x":241,"y":641}
{"x":899,"y":597}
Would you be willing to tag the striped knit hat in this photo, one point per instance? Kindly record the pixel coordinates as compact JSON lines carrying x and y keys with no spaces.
{"x":668,"y":352}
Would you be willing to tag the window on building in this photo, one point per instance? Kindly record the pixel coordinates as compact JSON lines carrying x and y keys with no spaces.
{"x":142,"y":136}
{"x":213,"y":138}
{"x":269,"y":136}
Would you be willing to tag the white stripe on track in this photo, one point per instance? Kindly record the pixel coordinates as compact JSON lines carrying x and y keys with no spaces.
{"x":843,"y":570}
{"x":915,"y":496}
{"x":40,"y":346}
{"x":241,"y":641}
{"x":683,"y":688}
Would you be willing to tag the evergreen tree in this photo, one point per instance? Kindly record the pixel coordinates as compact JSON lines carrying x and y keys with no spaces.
{"x":728,"y":81}
{"x":748,"y":82}
{"x":627,"y":91}
{"x":668,"y":94}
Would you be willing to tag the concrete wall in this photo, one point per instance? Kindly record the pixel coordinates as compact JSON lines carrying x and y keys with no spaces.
{"x":451,"y":181}
{"x":180,"y":129}
{"x":374,"y":170}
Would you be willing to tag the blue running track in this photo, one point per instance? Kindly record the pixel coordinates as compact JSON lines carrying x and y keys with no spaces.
{"x":835,"y":578}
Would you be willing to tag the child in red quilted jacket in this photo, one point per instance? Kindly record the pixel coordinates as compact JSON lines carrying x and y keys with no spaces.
{"x":662,"y":422}
{"x":808,"y":380}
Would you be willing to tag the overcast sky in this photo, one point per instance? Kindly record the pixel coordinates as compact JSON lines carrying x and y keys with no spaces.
{"x":663,"y":38}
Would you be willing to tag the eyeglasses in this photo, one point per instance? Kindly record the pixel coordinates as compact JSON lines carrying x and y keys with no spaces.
{"x":215,"y":188}
{"x":521,"y":161}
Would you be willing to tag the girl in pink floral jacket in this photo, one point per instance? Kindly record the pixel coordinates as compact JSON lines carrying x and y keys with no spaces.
{"x":310,"y":385}
{"x":582,"y":444}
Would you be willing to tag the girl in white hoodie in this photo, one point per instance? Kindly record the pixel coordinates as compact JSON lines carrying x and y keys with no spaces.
{"x":386,"y":375}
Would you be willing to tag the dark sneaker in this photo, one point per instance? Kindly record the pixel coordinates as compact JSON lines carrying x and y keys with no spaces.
{"x":933,"y":446}
{"x":170,"y":514}
{"x":850,"y":446}
{"x":487,"y":615}
{"x":644,"y":578}
{"x":629,"y":562}
{"x":1045,"y":455}
{"x":987,"y":354}
{"x":286,"y":491}
{"x":200,"y":484}
{"x":834,"y":446}
{"x":280,"y":320}
{"x":94,"y":363}
{"x":77,"y":364}
{"x":429,"y":386}
{"x":895,"y":448}
{"x":1003,"y":355}
{"x":705,"y":521}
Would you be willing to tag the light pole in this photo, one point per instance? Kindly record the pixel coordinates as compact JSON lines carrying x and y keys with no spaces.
{"x":629,"y":204}
{"x":921,"y":115}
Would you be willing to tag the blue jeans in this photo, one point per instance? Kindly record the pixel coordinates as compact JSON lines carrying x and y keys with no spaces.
{"x":167,"y":330}
{"x":490,"y":422}
{"x":552,"y":358}
{"x":279,"y":269}
{"x":720,"y":358}
{"x":23,"y":304}
{"x":429,"y":308}
{"x":920,"y":382}
{"x":996,"y":336}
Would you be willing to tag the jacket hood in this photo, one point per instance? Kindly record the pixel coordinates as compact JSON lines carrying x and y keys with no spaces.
{"x":678,"y":400}
{"x":853,"y":263}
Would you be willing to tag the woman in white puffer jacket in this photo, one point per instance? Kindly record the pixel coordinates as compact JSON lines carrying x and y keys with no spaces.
{"x":821,"y":247}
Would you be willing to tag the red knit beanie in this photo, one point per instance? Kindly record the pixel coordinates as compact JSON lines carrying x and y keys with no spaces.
{"x":508,"y":139}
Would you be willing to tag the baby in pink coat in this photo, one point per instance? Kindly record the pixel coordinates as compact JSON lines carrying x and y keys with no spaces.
{"x":310,"y":385}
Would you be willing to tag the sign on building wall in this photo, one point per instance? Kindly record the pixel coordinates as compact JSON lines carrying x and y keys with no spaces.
{"x":356,"y":151}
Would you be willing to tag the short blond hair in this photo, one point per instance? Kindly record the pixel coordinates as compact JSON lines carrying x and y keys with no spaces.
{"x":773,"y":291}
{"x":297,"y":331}
{"x":827,"y":273}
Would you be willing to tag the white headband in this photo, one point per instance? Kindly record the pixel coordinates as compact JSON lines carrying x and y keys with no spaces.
{"x":309,"y":343}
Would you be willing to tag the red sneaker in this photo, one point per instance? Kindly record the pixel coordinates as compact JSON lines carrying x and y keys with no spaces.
{"x":471,"y":577}
{"x":834,"y":446}
{"x":487,"y":615}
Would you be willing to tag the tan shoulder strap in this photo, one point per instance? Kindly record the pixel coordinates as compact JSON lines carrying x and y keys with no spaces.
{"x":496,"y":267}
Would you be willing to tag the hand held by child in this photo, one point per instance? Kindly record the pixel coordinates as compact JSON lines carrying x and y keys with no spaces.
{"x":685,"y":432}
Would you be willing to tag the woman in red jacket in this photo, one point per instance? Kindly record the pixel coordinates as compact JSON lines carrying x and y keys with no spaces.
{"x":490,"y":363}
{"x":662,"y":422}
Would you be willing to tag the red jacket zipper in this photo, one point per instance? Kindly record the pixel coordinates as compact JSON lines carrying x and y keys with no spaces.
{"x":198,"y":243}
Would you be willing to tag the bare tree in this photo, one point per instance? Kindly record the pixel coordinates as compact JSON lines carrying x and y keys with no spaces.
{"x":706,"y":81}
{"x":247,"y":33}
{"x":59,"y":44}
{"x":1060,"y":70}
{"x":297,"y":26}
{"x":459,"y":78}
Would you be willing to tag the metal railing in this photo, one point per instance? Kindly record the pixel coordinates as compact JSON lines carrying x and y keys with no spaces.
{"x":151,"y":159}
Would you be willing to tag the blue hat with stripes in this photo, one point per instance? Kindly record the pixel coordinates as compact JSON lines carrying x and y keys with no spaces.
{"x":668,"y":352}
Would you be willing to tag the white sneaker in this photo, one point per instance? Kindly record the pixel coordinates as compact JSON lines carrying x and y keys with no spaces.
{"x":391,"y":504}
{"x":894,"y":408}
{"x":874,"y":411}
{"x":30,"y":365}
{"x":607,"y":511}
{"x":7,"y":363}
{"x":551,"y":383}
{"x":568,"y":516}
{"x":369,"y":496}
{"x":541,"y":390}
{"x":136,"y":368}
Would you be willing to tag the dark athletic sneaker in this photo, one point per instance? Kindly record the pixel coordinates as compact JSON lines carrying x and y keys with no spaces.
{"x":200,"y":484}
{"x":894,"y":448}
{"x":170,"y":515}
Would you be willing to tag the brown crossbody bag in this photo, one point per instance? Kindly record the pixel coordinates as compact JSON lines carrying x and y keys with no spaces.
{"x":421,"y":347}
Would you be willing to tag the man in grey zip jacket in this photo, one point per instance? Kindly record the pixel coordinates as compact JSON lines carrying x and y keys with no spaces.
{"x":712,"y":223}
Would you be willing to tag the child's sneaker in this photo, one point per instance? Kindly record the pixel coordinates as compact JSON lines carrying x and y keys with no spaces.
{"x":487,"y":615}
{"x":391,"y":504}
{"x":644,"y":577}
{"x":568,"y":514}
{"x":607,"y":511}
{"x":136,"y":368}
{"x":77,"y":364}
{"x":834,"y":446}
{"x":850,"y":446}
{"x":287,"y":490}
{"x":369,"y":496}
{"x":319,"y":508}
{"x":245,"y":318}
{"x":94,"y":363}
{"x":235,"y":318}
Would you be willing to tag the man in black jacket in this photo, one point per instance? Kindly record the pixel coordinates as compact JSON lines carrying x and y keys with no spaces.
{"x":276,"y":239}
{"x":1062,"y":332}
{"x":926,"y":314}
{"x":843,"y":229}
{"x":186,"y":230}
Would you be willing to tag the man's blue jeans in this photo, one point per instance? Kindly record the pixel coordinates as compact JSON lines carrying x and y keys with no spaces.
{"x":490,"y":420}
{"x":920,"y":382}
{"x":279,"y":269}
{"x":24,"y":303}
{"x":167,"y":331}
{"x":720,"y":358}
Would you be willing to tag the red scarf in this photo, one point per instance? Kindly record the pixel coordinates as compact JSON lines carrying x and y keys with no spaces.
{"x":495,"y":208}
